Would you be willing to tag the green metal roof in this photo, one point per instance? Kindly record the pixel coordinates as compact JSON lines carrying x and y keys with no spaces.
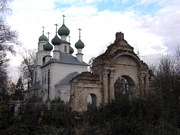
{"x":56,"y":40}
{"x":79,"y":44}
{"x":43,"y":38}
{"x":48,"y":47}
{"x":71,"y":50}
{"x":63,"y":30}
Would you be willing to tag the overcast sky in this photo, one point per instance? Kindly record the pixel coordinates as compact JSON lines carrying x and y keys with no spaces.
{"x":152,"y":27}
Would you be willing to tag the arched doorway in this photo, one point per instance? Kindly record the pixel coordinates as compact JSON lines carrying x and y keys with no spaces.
{"x":124,"y":85}
{"x":91,"y":101}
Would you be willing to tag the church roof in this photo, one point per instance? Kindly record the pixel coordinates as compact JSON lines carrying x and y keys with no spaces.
{"x":67,"y":79}
{"x":66,"y":58}
{"x":69,"y":59}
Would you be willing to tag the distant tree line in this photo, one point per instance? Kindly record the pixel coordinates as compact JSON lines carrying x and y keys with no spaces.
{"x":156,"y":114}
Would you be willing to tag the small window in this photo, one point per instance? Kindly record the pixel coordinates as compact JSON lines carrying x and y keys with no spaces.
{"x":65,"y":48}
{"x":43,"y":60}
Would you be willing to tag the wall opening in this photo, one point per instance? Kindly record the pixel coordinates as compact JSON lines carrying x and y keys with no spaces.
{"x":43,"y":60}
{"x":65,"y":49}
{"x":124,"y":85}
{"x":91,"y":102}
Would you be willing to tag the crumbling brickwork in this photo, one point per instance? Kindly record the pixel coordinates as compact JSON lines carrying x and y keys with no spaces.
{"x":118,"y":63}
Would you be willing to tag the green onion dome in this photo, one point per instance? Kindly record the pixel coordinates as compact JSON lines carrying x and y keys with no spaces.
{"x":63,"y":30}
{"x":56,"y":40}
{"x":43,"y":38}
{"x":79,"y":44}
{"x":71,"y":50}
{"x":48,"y":47}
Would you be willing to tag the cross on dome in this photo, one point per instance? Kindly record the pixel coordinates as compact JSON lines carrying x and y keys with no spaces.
{"x":79,"y":44}
{"x":43,"y":29}
{"x":56,"y":25}
{"x":63,"y":30}
{"x":79,"y":33}
{"x":48,"y":34}
{"x":56,"y":40}
{"x":63,"y":18}
{"x":43,"y":37}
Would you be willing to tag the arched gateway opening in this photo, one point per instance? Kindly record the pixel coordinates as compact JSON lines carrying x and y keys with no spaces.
{"x":91,"y":102}
{"x":124,"y":85}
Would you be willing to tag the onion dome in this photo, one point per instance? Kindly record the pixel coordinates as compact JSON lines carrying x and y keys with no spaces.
{"x":79,"y":44}
{"x":71,"y":50}
{"x":48,"y":47}
{"x":43,"y":37}
{"x":56,"y":40}
{"x":63,"y":30}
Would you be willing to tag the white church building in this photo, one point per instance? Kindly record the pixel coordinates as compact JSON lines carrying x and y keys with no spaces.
{"x":56,"y":66}
{"x":59,"y":74}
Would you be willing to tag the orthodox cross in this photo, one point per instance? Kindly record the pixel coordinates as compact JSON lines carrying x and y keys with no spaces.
{"x":48,"y":34}
{"x":63,"y":18}
{"x":56,"y":27}
{"x":79,"y":33}
{"x":43,"y":29}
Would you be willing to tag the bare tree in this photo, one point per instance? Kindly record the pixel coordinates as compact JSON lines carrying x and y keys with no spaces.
{"x":90,"y":64}
{"x":167,"y":78}
{"x":8,"y":38}
{"x":27,"y":65}
{"x":178,"y":58}
{"x":18,"y":95}
{"x":178,"y":62}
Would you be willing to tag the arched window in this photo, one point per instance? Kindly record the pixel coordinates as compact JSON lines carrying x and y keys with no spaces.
{"x":124,"y":85}
{"x":91,"y":101}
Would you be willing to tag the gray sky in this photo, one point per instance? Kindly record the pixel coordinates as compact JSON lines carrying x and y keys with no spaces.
{"x":150,"y":26}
